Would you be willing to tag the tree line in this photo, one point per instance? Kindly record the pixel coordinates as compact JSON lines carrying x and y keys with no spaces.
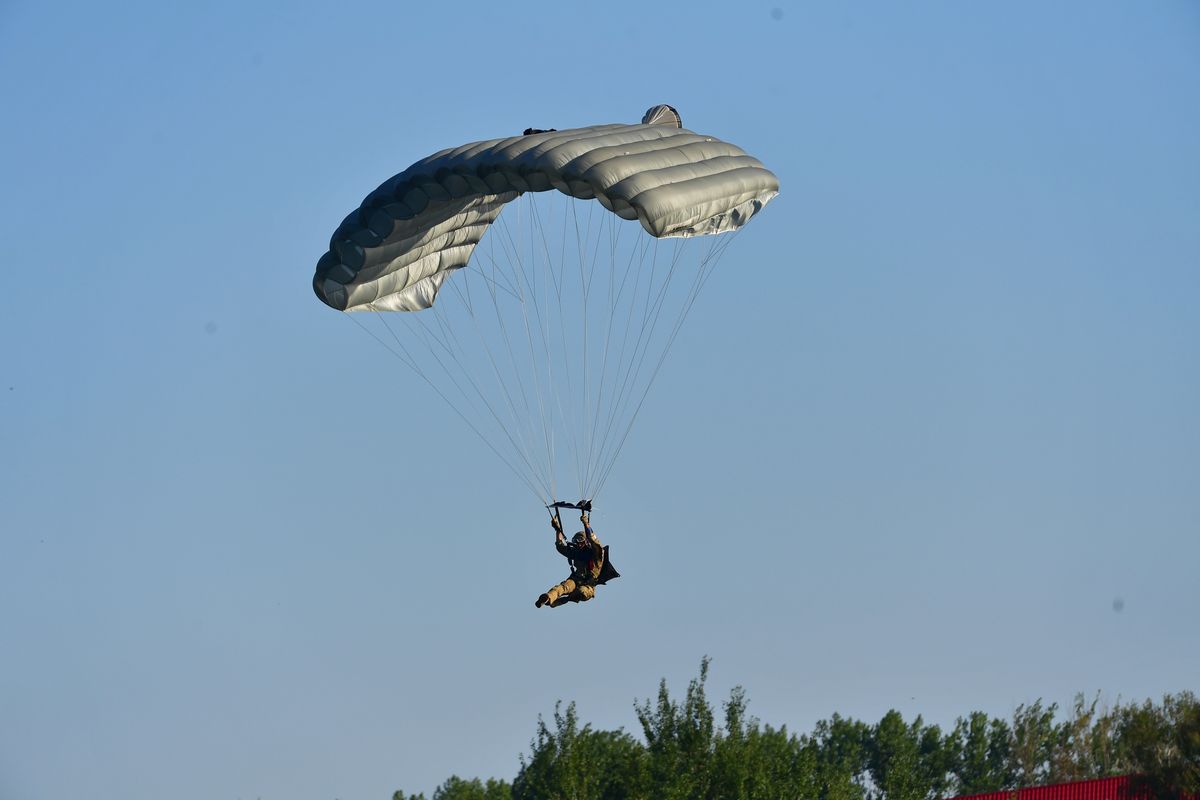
{"x":690,"y":750}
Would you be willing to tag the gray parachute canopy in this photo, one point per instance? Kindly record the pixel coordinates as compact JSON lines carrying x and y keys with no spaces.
{"x":395,"y":251}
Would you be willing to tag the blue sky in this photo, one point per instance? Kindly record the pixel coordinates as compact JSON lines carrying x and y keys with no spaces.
{"x":933,"y":415}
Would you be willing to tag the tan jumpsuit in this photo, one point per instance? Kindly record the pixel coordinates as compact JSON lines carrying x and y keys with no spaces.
{"x":586,"y":562}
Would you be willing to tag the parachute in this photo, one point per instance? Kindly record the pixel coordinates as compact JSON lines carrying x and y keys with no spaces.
{"x":558,"y":329}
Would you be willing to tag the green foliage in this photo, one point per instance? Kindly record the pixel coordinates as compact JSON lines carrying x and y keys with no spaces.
{"x":1162,"y":744}
{"x":1034,"y":737}
{"x":841,"y":758}
{"x":579,"y":763}
{"x":686,"y":754}
{"x":754,"y":762}
{"x":980,"y":754}
{"x":907,"y":761}
{"x":1085,"y":745}
{"x":455,"y":788}
{"x":680,"y":741}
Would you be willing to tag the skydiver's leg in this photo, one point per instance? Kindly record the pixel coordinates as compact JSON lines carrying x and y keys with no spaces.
{"x":581,"y":594}
{"x":553,"y":594}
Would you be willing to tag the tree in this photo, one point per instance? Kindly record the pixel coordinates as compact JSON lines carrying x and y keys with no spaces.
{"x":937,"y":760}
{"x":735,"y":771}
{"x":1085,"y":743}
{"x":455,"y":788}
{"x":755,"y":763}
{"x":1163,"y":744}
{"x":907,"y":762}
{"x":680,"y":741}
{"x":840,"y":750}
{"x":687,"y":755}
{"x":579,"y":763}
{"x":1033,"y":743}
{"x":981,"y":754}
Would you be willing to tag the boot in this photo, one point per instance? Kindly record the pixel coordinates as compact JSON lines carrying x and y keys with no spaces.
{"x":542,"y":600}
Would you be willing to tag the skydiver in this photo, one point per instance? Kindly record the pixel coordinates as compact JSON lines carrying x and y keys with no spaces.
{"x":588,"y":558}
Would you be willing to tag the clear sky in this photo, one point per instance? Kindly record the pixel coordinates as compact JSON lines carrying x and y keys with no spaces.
{"x":935,"y":419}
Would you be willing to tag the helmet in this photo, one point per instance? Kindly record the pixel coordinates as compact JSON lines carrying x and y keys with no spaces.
{"x":579,"y":538}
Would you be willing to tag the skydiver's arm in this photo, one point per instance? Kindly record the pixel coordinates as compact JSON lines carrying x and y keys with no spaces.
{"x":595,"y":549}
{"x":560,"y":540}
{"x":587,"y":528}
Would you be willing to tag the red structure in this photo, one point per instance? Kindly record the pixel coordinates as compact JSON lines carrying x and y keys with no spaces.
{"x":1119,"y":788}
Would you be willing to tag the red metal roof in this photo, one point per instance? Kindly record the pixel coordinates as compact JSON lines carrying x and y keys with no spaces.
{"x":1100,"y":789}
